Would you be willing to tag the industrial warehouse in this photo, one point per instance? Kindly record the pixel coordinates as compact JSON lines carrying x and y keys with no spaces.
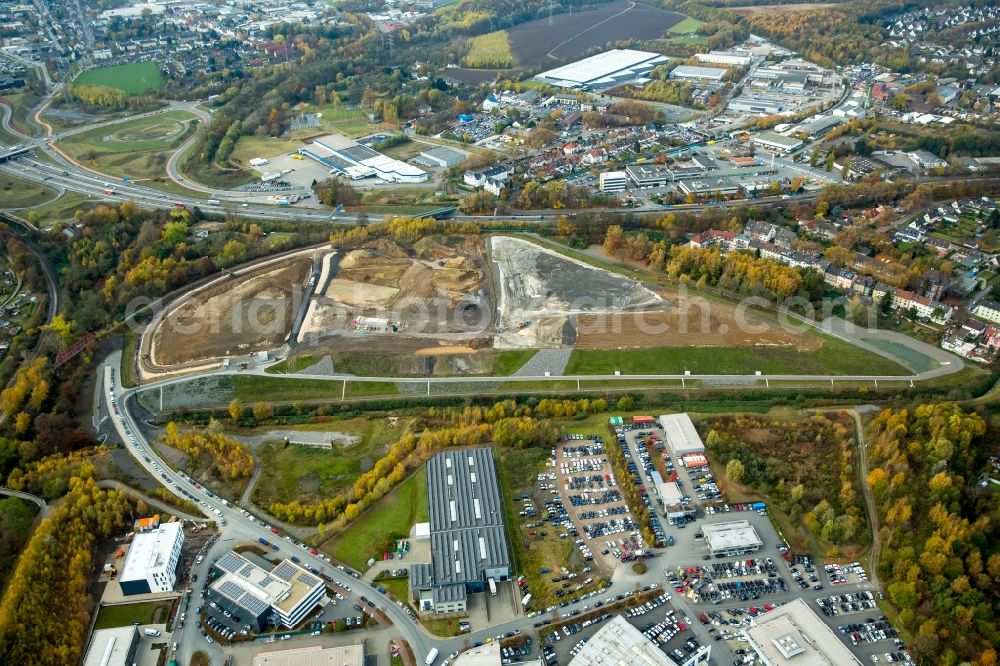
{"x":351,"y":159}
{"x":468,"y":539}
{"x":604,"y":70}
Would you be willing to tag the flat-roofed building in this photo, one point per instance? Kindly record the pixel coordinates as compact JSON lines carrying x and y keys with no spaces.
{"x":613,"y":181}
{"x":442,"y":156}
{"x":345,"y":655}
{"x":604,"y":70}
{"x":738,"y":58}
{"x":794,"y":635}
{"x":281,"y":597}
{"x":467,"y":533}
{"x":680,"y":434}
{"x":113,"y":647}
{"x":700,"y":74}
{"x":737,"y":537}
{"x":778,"y":142}
{"x":151,"y":564}
{"x":618,"y":642}
{"x":649,"y":175}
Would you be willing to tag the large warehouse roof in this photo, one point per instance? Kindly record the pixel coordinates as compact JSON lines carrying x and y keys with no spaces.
{"x":794,"y":634}
{"x":463,"y":491}
{"x":680,"y":433}
{"x":466,"y":516}
{"x":612,"y":67}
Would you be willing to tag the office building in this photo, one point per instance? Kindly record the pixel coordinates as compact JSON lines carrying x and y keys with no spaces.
{"x":794,"y":635}
{"x":151,"y":564}
{"x":618,"y":642}
{"x":467,"y":534}
{"x":613,"y":181}
{"x":280,"y":597}
{"x":733,"y":538}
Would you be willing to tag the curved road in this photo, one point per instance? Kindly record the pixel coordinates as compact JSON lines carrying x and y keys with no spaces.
{"x":42,"y":506}
{"x":151,"y":501}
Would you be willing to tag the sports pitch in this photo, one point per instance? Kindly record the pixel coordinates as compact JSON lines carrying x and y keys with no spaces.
{"x":131,"y":78}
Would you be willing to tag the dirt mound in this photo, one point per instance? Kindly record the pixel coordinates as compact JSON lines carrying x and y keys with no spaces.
{"x":355,"y":258}
{"x":389,"y":248}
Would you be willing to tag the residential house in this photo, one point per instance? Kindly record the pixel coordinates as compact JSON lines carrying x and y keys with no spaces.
{"x":988,"y":310}
{"x":924,"y":307}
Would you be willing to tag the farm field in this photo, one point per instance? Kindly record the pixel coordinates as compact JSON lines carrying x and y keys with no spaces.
{"x":137,"y":148}
{"x":389,"y":518}
{"x":761,"y":10}
{"x":548,"y":42}
{"x":131,"y":78}
{"x":17,"y":193}
{"x":308,"y":474}
{"x":688,"y":26}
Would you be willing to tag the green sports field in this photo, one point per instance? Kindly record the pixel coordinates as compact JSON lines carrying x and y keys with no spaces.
{"x":131,"y":78}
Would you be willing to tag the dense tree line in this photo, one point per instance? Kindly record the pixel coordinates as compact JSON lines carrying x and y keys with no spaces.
{"x":223,"y":457}
{"x":46,"y":607}
{"x":939,"y":529}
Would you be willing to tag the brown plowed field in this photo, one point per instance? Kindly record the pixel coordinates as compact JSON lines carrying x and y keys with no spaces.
{"x":571,"y":35}
{"x":239,"y":317}
{"x":701,"y":324}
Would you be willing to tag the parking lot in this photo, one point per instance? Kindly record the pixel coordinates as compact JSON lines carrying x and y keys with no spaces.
{"x":594,"y":504}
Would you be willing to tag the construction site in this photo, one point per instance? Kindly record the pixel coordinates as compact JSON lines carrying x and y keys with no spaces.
{"x":432,"y":293}
{"x":448,"y":305}
{"x":236,"y":317}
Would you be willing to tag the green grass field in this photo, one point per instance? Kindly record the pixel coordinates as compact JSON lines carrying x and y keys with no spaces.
{"x":138,"y":148}
{"x":390,"y":517}
{"x":509,"y":361}
{"x":150,"y":612}
{"x":131,"y":78}
{"x":308,"y":473}
{"x":251,"y":147}
{"x":687,"y":26}
{"x":833,"y":358}
{"x":912,"y":359}
{"x":17,"y":193}
{"x":254,"y":388}
{"x":64,"y":207}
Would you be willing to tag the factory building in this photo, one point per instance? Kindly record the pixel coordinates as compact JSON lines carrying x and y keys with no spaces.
{"x":469,"y":551}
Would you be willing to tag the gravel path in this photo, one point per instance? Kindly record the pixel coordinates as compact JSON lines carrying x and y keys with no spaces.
{"x":553,"y":361}
{"x":322,"y":368}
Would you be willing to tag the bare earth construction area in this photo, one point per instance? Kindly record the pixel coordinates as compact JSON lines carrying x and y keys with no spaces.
{"x":250,"y":314}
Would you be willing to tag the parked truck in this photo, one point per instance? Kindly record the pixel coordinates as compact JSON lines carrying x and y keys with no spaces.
{"x":431,"y":657}
{"x":493,"y":587}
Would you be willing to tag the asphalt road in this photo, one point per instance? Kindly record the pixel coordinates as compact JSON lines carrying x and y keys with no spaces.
{"x":42,"y":506}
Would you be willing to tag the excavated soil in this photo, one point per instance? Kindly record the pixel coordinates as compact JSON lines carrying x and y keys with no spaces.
{"x":239,"y":317}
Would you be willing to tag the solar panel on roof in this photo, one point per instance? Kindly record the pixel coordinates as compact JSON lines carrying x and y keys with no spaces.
{"x":247,"y":570}
{"x":308,"y":580}
{"x":231,"y":590}
{"x":230,"y":562}
{"x":267,"y":580}
{"x":285,"y":571}
{"x":253,"y":604}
